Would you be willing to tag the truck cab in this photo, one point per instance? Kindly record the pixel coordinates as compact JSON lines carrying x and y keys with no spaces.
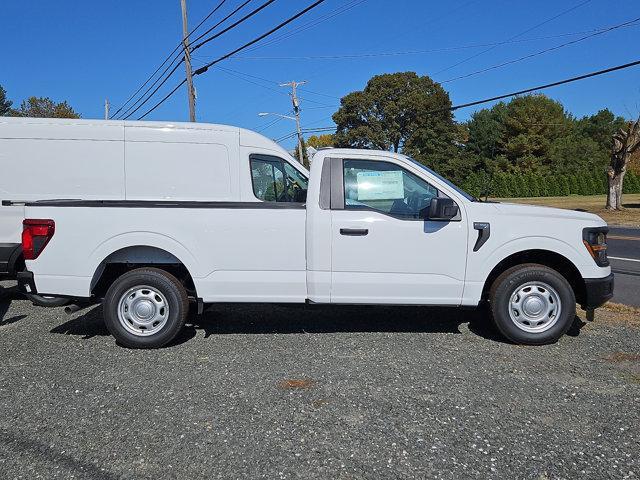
{"x":362,"y":227}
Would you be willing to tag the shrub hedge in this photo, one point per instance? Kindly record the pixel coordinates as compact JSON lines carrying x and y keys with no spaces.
{"x":504,"y":185}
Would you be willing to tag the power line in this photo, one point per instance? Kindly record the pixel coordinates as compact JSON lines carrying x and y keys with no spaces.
{"x":542,"y":52}
{"x":128,"y":113}
{"x":240,"y":75}
{"x":207,"y":17}
{"x":542,"y":87}
{"x":233,"y":25}
{"x":233,"y":12}
{"x":195,"y":47}
{"x":319,"y":129}
{"x":148,"y":97}
{"x":506,"y":95}
{"x":177,"y":48}
{"x":310,"y":24}
{"x":264,"y":35}
{"x":305,"y":130}
{"x":418,"y":52}
{"x":320,"y":93}
{"x":269,"y":124}
{"x":206,"y":67}
{"x":564,"y":12}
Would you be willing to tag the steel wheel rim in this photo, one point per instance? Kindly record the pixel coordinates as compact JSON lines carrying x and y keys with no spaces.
{"x":535,"y":307}
{"x":143,"y":311}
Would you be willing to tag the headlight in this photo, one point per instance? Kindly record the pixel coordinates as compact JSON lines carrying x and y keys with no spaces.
{"x":595,"y":240}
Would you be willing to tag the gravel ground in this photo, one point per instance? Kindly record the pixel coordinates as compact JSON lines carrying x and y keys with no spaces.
{"x":316,"y":392}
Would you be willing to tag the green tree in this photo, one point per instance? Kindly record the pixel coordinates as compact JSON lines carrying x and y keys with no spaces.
{"x":565,"y":186}
{"x":600,"y":179}
{"x":591,"y":183}
{"x":600,"y":128}
{"x":44,"y":107}
{"x":523,"y":188}
{"x":573,"y":153}
{"x":321,"y":141}
{"x":631,"y":183}
{"x":583,"y":185}
{"x":553,"y":187}
{"x":534,"y":133}
{"x":5,"y":103}
{"x":400,"y":112}
{"x":458,"y":166}
{"x":500,"y":185}
{"x":532,"y":123}
{"x":574,"y":185}
{"x":532,"y":184}
{"x":486,"y":130}
{"x":543,"y":185}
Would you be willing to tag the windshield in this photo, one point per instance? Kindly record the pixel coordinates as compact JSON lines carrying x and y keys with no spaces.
{"x":469,"y":197}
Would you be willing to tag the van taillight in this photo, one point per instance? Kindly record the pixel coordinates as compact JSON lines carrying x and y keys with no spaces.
{"x":35,"y":236}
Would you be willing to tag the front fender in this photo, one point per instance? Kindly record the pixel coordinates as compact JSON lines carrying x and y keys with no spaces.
{"x":478,"y":272}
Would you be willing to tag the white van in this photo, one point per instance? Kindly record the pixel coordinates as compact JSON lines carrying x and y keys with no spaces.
{"x":42,"y":158}
{"x":209,"y":213}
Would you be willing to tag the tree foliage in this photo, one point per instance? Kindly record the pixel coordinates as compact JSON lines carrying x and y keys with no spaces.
{"x":536,"y":134}
{"x":398,"y":112}
{"x":532,"y":134}
{"x":321,"y":141}
{"x":44,"y":107}
{"x":5,"y":103}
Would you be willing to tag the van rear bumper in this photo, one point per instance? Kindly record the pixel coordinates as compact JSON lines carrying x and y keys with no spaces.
{"x":9,"y":254}
{"x":598,"y":291}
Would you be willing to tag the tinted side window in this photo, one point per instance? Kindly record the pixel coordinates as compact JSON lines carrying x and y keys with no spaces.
{"x":385,"y":187}
{"x":275,"y":180}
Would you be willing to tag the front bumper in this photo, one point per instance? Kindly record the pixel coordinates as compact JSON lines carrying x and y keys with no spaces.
{"x":597,"y":291}
{"x":26,"y":284}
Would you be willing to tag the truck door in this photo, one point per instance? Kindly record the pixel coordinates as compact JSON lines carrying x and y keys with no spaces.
{"x":382,"y":251}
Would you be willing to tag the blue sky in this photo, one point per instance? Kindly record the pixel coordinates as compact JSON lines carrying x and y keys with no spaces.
{"x":84,"y":51}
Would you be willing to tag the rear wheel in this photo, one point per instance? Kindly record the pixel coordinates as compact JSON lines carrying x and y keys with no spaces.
{"x":532,"y":304}
{"x":145,"y":308}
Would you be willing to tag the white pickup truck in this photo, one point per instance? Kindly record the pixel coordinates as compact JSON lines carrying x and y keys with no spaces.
{"x":212,"y":213}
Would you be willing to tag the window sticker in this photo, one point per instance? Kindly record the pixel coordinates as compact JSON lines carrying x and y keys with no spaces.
{"x":380,"y":185}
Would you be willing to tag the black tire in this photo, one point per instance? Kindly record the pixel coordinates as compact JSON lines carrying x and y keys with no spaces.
{"x":174,"y":293}
{"x":40,"y":301}
{"x":509,"y":282}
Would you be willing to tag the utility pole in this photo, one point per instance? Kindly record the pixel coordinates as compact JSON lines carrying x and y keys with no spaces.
{"x":296,"y":111}
{"x":106,"y":108}
{"x":187,"y":62}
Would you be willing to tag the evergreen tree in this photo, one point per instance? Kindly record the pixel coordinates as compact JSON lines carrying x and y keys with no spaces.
{"x":5,"y":103}
{"x":523,"y":188}
{"x":574,"y":185}
{"x":565,"y":186}
{"x":543,"y":185}
{"x":534,"y":186}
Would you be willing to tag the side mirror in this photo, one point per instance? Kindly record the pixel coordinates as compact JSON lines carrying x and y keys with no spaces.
{"x":440,"y":209}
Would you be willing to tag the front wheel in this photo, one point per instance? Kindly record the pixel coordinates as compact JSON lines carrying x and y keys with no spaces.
{"x":145,"y":308}
{"x":532,"y":304}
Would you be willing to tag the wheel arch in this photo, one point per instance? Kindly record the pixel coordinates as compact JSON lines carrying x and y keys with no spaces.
{"x":16,"y":261}
{"x":131,"y":257}
{"x":548,"y":258}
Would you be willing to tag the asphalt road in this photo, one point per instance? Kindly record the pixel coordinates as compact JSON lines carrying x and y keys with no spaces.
{"x":316,"y":392}
{"x":624,"y":255}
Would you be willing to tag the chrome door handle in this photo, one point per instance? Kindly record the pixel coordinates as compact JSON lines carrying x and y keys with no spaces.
{"x":354,"y":232}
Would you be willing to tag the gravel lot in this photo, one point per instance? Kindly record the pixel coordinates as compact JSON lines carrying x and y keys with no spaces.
{"x":316,"y":392}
